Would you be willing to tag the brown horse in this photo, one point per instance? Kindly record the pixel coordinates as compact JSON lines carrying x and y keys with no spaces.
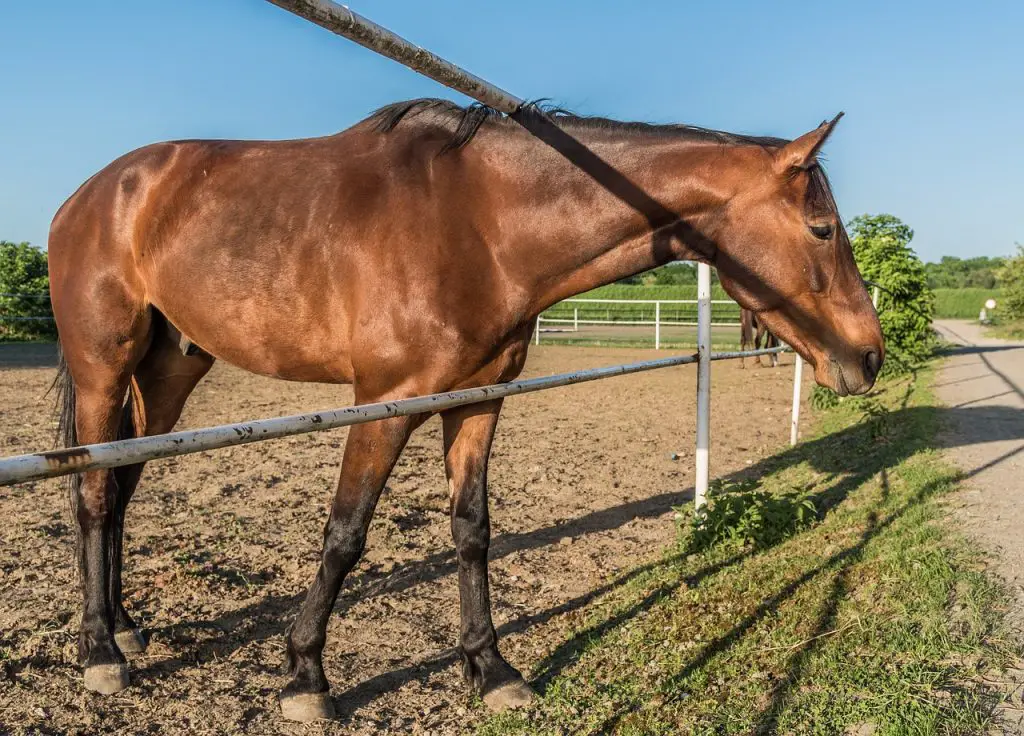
{"x":755,"y":334}
{"x":409,"y":254}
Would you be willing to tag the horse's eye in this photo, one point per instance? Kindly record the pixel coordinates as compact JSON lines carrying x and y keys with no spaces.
{"x":822,"y":232}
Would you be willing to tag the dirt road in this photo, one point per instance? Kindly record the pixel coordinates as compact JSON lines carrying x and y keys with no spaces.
{"x":222,"y":545}
{"x":987,"y":442}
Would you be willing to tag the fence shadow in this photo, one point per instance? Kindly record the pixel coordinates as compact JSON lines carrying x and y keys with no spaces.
{"x":846,"y":471}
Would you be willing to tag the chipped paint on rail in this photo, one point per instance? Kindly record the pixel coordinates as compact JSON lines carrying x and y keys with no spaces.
{"x":141,"y":449}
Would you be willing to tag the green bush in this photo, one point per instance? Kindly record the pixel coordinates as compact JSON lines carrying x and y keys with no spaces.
{"x":25,"y":312}
{"x":740,"y":515}
{"x":1011,"y":278}
{"x":881,"y":245}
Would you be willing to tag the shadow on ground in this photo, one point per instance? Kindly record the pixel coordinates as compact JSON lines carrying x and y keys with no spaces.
{"x":848,"y":459}
{"x":881,"y":442}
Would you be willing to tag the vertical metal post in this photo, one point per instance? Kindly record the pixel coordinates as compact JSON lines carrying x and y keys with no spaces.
{"x":703,"y":384}
{"x":575,"y":319}
{"x":536,"y":332}
{"x":657,"y":325}
{"x":798,"y":377}
{"x":874,"y":296}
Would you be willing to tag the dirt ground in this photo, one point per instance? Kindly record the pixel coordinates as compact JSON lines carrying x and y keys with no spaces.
{"x":221,"y":546}
{"x":982,"y":383}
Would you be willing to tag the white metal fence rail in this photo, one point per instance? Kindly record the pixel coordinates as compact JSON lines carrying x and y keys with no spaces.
{"x":342,"y":21}
{"x":652,"y":313}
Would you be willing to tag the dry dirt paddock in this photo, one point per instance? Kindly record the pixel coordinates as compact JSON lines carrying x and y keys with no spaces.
{"x":221,"y":546}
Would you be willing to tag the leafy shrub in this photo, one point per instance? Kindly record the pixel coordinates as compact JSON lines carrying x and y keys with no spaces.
{"x":881,"y":245}
{"x":24,"y":293}
{"x":1011,"y":278}
{"x":823,"y":398}
{"x":739,"y":515}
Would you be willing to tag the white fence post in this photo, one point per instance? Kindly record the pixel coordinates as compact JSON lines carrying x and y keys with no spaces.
{"x":874,"y":297}
{"x":575,"y":319}
{"x":798,"y":377}
{"x":536,"y":332}
{"x":657,"y":325}
{"x":703,"y":384}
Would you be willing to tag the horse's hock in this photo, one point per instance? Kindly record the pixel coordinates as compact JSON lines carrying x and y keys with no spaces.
{"x":221,"y":544}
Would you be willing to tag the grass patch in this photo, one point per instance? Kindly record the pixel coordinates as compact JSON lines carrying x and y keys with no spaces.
{"x":1012,"y":330}
{"x":826,"y":596}
{"x":963,"y":303}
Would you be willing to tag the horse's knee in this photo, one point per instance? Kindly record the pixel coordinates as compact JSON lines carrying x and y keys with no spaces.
{"x":472,"y":537}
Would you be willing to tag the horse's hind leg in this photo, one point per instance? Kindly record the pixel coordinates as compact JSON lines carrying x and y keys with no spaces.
{"x":468,"y":433}
{"x":102,"y":341}
{"x":160,"y":386}
{"x":370,"y":454}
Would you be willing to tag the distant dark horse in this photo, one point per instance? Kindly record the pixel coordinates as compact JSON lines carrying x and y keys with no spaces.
{"x":755,"y":333}
{"x":406,"y":255}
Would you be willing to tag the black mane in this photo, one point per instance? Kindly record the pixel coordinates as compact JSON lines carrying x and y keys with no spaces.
{"x":464,"y":122}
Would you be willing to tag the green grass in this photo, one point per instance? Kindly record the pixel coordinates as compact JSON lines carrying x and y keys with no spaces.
{"x":962,"y":303}
{"x":1007,"y":330}
{"x":868,"y":612}
{"x":631,"y":291}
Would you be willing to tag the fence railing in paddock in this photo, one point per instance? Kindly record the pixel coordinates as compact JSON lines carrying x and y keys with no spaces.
{"x":344,"y":22}
{"x":65,"y":461}
{"x":568,"y":316}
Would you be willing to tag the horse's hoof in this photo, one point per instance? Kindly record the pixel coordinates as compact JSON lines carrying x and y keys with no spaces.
{"x":511,"y":695}
{"x":306,"y":707}
{"x":130,"y":641}
{"x":106,"y":679}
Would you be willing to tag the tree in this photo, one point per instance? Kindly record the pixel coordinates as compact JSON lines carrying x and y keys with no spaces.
{"x":1011,"y":278}
{"x":881,"y":246}
{"x":957,"y":273}
{"x":24,"y":293}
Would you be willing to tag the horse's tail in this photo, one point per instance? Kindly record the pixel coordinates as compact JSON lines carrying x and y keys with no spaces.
{"x":63,"y":387}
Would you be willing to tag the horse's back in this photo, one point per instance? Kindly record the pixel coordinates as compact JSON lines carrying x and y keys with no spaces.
{"x":275,"y":256}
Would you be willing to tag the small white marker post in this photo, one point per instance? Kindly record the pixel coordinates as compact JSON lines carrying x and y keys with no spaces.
{"x":576,"y":319}
{"x":798,"y":377}
{"x":657,"y":325}
{"x":703,"y":385}
{"x":874,"y":297}
{"x":536,"y":332}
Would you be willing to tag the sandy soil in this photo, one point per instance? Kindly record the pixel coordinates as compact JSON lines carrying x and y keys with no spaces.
{"x":221,"y":546}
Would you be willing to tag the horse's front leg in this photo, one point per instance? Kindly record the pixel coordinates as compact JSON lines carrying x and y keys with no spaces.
{"x":468,"y":432}
{"x":370,"y":454}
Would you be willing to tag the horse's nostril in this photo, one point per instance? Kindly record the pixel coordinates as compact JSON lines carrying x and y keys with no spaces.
{"x":872,"y":363}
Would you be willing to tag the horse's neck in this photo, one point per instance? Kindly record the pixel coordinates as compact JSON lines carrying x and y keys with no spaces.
{"x":591,"y":212}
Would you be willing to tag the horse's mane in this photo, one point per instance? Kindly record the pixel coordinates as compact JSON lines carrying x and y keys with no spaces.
{"x":463,"y":122}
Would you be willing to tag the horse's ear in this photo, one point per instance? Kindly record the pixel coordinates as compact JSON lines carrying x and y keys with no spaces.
{"x":802,"y":153}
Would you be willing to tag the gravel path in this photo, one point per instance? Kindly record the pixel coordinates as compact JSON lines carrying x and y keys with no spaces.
{"x":982,"y":383}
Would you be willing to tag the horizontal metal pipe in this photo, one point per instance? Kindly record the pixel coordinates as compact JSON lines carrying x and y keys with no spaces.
{"x":342,"y":21}
{"x":643,"y":301}
{"x":40,"y":465}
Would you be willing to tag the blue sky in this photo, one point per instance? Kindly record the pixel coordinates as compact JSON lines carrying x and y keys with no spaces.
{"x":933,"y":91}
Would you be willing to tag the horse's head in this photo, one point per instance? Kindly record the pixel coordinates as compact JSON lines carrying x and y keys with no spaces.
{"x":783,"y":252}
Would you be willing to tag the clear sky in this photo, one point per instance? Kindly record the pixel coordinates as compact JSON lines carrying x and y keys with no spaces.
{"x":933,"y":91}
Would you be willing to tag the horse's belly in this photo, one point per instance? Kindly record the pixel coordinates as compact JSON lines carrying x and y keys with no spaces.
{"x":267,"y":338}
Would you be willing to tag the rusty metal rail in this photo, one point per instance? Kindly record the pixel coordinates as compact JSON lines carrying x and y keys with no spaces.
{"x":344,"y":22}
{"x":65,"y":461}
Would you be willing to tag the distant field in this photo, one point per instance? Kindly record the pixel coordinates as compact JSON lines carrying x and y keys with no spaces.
{"x":949,"y":303}
{"x":963,"y":303}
